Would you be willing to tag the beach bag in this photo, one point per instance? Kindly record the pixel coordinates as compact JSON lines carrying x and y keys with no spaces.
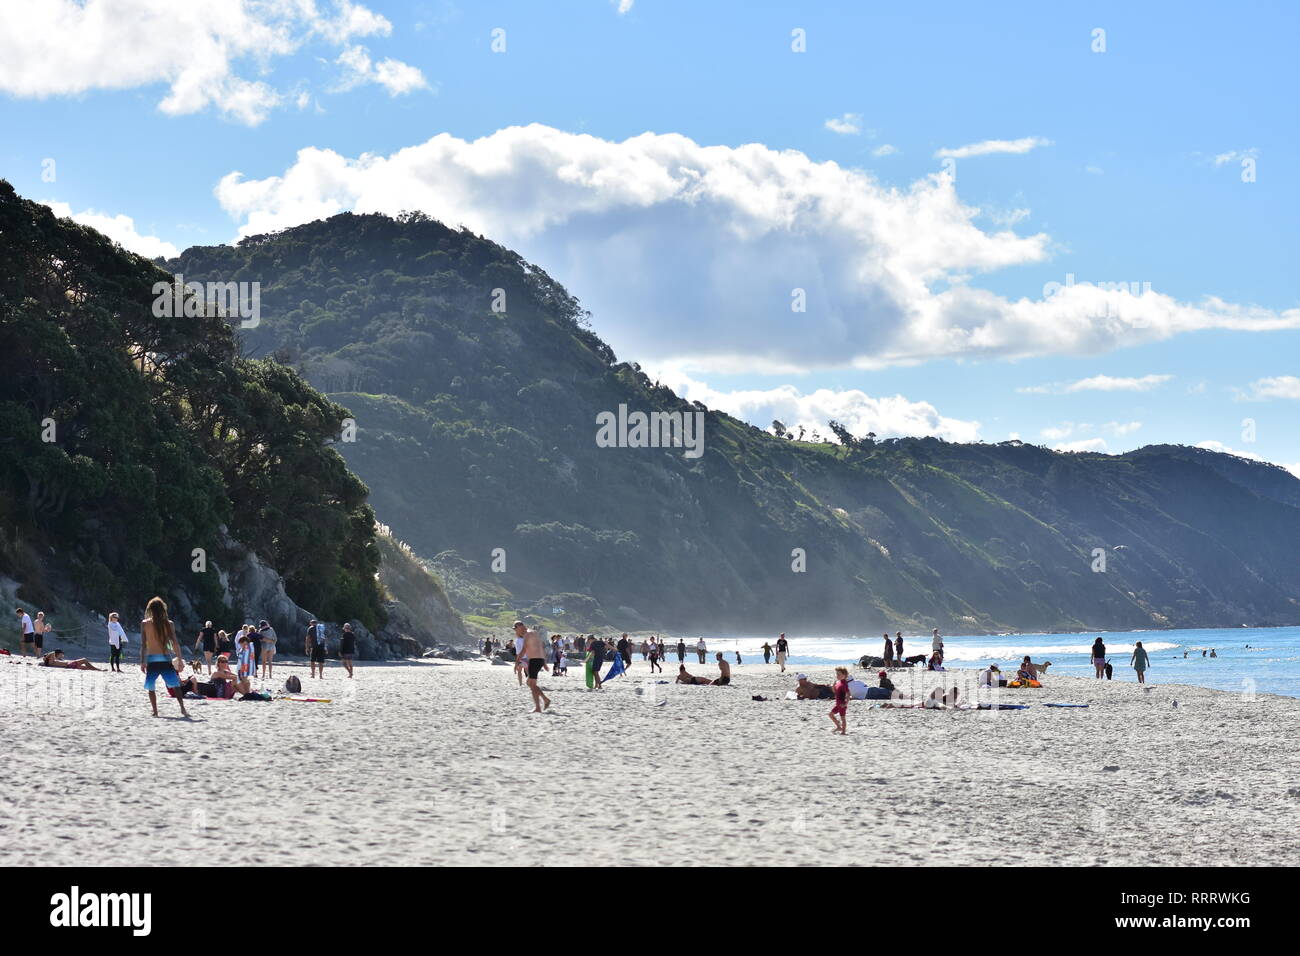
{"x":293,"y":685}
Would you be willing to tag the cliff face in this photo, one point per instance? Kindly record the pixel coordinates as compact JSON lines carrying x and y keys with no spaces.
{"x":476,"y":433}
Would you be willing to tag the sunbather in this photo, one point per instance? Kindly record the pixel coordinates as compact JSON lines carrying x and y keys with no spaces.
{"x":684,"y":678}
{"x":56,"y":659}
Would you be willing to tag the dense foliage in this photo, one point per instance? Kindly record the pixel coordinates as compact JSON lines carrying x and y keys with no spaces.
{"x":477,"y":433}
{"x":127,"y":440}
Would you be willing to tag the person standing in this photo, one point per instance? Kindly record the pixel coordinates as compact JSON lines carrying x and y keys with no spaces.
{"x":701,"y":649}
{"x":898,"y":647}
{"x":347,"y":648}
{"x":1099,"y":657}
{"x":839,"y":714}
{"x":27,"y":640}
{"x":681,"y":650}
{"x":268,"y":635}
{"x":316,"y":647}
{"x":536,"y":656}
{"x":597,"y":648}
{"x":782,"y":651}
{"x":116,"y":639}
{"x":656,"y":649}
{"x":160,"y":653}
{"x":936,"y":645}
{"x":1140,"y":662}
{"x":624,"y":648}
{"x":889,"y":651}
{"x":520,"y":661}
{"x":39,"y":632}
{"x":207,"y":641}
{"x":767,"y":653}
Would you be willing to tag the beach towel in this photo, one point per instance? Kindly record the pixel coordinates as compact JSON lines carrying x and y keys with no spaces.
{"x":615,"y":668}
{"x":1065,"y":705}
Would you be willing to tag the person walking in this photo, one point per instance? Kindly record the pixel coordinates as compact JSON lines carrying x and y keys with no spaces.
{"x":782,"y":651}
{"x":536,"y":656}
{"x":160,"y":653}
{"x":701,"y":649}
{"x":116,"y":640}
{"x":839,"y":714}
{"x":1140,"y":662}
{"x":655,"y":652}
{"x":767,"y":653}
{"x":347,"y":648}
{"x":1099,"y":657}
{"x":316,"y":647}
{"x":624,"y":648}
{"x":207,"y":641}
{"x":681,"y":650}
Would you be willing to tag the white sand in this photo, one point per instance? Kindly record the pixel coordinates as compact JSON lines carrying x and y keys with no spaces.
{"x":426,"y":763}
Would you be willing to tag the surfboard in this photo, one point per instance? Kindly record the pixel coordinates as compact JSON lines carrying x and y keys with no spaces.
{"x":586,"y":666}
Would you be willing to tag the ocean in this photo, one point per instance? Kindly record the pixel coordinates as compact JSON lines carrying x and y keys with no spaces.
{"x":1265,"y":660}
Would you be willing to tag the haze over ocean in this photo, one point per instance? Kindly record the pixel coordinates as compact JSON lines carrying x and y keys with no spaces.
{"x":1265,"y":660}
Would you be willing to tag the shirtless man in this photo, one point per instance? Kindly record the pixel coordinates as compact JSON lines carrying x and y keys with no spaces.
{"x":536,"y":656}
{"x":725,"y":668}
{"x":807,"y":690}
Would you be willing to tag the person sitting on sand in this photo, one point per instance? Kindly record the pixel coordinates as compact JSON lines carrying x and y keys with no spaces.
{"x":56,"y":659}
{"x":725,"y":668}
{"x":684,"y":678}
{"x":807,"y":690}
{"x":885,"y":682}
{"x":1026,"y":671}
{"x":223,"y":672}
{"x":935,"y":663}
{"x":991,"y":676}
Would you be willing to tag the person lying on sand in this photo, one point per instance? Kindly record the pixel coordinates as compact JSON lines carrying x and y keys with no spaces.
{"x":941,"y":698}
{"x":807,"y":690}
{"x":684,"y":678}
{"x":56,"y":659}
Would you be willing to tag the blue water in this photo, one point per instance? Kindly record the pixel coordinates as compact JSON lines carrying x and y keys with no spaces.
{"x":1268,"y":657}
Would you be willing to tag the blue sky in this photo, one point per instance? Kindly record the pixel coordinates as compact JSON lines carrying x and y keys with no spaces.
{"x":1128,"y":169}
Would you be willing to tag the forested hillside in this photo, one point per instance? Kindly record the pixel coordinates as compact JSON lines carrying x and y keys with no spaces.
{"x":476,"y":432}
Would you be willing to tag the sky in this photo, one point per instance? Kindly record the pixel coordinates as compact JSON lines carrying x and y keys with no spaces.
{"x":1072,"y":224}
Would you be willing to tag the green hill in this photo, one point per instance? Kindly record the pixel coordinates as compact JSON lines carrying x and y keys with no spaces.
{"x":476,"y":435}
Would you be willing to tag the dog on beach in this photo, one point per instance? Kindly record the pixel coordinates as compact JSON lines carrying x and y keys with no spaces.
{"x":1041,"y":669}
{"x":917,"y":659}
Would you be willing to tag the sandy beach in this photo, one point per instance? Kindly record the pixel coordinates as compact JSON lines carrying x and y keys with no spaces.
{"x":441,"y":763}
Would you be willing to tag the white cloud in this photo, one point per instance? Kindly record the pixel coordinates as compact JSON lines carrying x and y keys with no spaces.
{"x":624,"y":6}
{"x":889,"y":417}
{"x":1098,"y":383}
{"x":1066,"y":429}
{"x":850,"y":124}
{"x":65,"y":48}
{"x":395,"y":76}
{"x":694,"y":253}
{"x":1094,"y":170}
{"x":121,"y":229}
{"x":993,"y":146}
{"x":884,"y":150}
{"x":1231,"y":155}
{"x":1006,"y":218}
{"x":1281,"y":386}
